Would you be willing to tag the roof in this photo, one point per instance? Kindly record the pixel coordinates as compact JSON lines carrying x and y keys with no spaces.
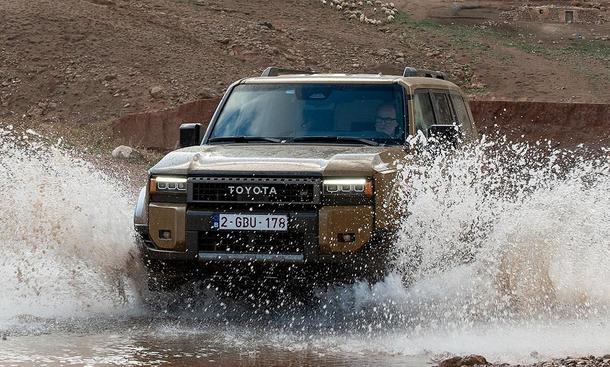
{"x":410,"y":82}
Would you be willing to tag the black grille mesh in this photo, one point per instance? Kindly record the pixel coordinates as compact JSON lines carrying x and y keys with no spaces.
{"x":271,"y":191}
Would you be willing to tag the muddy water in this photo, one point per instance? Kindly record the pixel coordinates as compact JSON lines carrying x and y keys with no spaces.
{"x":514,"y":242}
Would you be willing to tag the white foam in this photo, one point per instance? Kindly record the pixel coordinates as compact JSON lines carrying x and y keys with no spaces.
{"x":514,"y":245}
{"x":66,"y":232}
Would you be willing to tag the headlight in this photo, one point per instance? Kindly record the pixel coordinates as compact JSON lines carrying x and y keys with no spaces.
{"x":168,"y":184}
{"x":348,"y":186}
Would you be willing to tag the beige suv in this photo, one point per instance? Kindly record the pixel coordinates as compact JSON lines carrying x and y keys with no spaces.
{"x":295,"y":175}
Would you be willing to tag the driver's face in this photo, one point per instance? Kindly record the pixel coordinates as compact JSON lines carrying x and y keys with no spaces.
{"x":385,"y":121}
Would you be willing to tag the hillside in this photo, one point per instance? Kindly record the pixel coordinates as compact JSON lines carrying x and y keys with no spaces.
{"x":91,"y":61}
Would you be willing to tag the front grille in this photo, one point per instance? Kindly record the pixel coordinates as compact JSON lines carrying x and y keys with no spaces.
{"x":254,"y":190}
{"x":252,"y":242}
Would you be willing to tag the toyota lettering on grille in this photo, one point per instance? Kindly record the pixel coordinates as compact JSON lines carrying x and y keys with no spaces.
{"x":256,"y":190}
{"x":262,"y":190}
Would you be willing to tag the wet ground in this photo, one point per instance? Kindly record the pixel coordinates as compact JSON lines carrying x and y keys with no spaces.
{"x":157,"y":337}
{"x":139,"y":343}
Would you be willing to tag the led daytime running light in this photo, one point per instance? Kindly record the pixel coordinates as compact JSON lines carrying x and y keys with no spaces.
{"x":348,"y":186}
{"x":168,"y":184}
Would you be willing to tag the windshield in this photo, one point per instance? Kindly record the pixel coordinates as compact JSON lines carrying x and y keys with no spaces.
{"x":351,"y":113}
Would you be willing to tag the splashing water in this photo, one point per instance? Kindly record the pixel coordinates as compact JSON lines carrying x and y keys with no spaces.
{"x":517,"y":232}
{"x":66,"y":232}
{"x":505,"y":248}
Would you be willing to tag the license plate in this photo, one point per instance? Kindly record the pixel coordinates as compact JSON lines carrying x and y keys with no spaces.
{"x":250,"y":222}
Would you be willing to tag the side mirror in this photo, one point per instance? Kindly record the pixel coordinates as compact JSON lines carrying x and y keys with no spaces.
{"x":190,"y":134}
{"x":449,"y":135}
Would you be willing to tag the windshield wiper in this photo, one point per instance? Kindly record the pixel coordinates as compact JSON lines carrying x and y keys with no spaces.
{"x":243,"y":139}
{"x":338,"y":139}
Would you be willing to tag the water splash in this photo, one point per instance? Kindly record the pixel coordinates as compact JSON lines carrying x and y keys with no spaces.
{"x":66,"y":238}
{"x":506,"y":249}
{"x":505,"y":246}
{"x":512,"y":230}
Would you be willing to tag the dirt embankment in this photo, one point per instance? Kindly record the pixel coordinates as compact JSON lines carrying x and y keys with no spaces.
{"x":567,"y":124}
{"x":159,"y":129}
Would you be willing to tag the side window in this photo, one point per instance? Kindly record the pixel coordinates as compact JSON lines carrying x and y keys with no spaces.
{"x":462,"y":113}
{"x":442,"y":107}
{"x":424,"y":114}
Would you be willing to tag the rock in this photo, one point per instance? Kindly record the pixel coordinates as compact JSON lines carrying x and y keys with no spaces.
{"x":206,"y":93}
{"x":35,"y":111}
{"x":122,"y":152}
{"x":156,"y":91}
{"x":383,"y":52}
{"x":450,"y":362}
{"x":471,"y":360}
{"x":474,"y":359}
{"x":110,"y":77}
{"x":267,"y":25}
{"x":479,"y":85}
{"x":272,"y":50}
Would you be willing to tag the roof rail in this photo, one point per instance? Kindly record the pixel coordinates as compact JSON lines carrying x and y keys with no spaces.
{"x":275,"y":71}
{"x":409,"y":71}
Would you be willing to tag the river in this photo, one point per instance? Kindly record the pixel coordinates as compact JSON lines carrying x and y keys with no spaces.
{"x":514,"y":242}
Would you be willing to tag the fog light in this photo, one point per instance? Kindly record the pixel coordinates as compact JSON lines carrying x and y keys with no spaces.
{"x":165,"y":234}
{"x":347,"y":237}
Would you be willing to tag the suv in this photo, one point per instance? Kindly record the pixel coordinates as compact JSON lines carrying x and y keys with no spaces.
{"x":295,"y":174}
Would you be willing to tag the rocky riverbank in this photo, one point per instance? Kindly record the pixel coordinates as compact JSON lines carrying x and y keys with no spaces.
{"x":477,"y":360}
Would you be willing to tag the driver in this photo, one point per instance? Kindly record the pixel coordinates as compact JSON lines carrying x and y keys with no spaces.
{"x":385,"y":121}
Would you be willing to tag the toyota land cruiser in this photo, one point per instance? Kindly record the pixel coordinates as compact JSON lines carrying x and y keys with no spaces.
{"x":296,"y":173}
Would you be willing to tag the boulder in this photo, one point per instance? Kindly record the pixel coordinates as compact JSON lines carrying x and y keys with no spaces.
{"x":457,"y":361}
{"x":474,"y":360}
{"x":156,"y":91}
{"x":122,"y":152}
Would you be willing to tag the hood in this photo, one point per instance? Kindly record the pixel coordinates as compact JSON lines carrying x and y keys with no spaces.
{"x":326,"y":160}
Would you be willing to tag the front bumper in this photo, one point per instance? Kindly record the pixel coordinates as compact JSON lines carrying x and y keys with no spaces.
{"x":378,"y":245}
